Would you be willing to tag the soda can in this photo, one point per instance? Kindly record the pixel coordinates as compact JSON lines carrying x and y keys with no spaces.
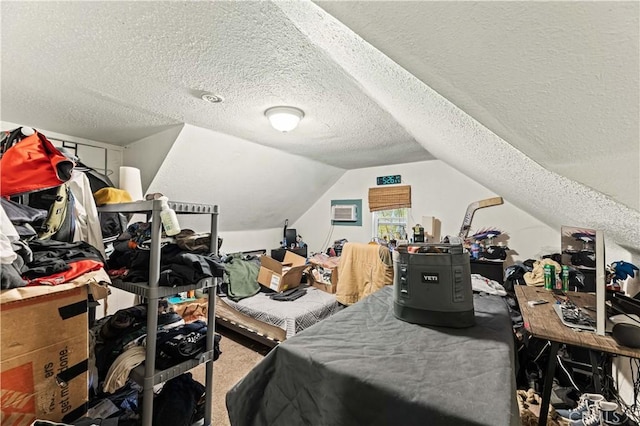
{"x":549,"y":275}
{"x":565,"y":278}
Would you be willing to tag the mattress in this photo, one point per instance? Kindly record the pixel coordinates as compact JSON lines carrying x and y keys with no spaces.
{"x":363,"y":366}
{"x":292,"y":317}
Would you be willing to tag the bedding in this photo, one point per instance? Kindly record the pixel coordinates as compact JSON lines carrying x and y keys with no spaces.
{"x":363,"y":366}
{"x":292,"y":317}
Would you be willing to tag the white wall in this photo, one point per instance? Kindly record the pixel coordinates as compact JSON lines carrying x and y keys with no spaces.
{"x":256,"y":187}
{"x":436,"y":190}
{"x":149,"y":153}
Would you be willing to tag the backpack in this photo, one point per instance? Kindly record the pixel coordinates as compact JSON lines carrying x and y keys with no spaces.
{"x":60,"y":223}
{"x":30,"y":163}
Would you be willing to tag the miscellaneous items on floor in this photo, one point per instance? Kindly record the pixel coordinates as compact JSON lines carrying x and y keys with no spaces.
{"x":529,"y":402}
{"x":594,"y":410}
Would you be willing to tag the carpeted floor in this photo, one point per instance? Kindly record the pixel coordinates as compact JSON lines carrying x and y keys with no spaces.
{"x":239,"y":355}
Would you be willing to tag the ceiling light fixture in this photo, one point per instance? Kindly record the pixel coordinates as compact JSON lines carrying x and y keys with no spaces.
{"x":284,"y":118}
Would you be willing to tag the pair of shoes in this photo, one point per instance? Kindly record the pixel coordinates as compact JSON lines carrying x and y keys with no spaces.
{"x":586,"y":401}
{"x":602,"y":413}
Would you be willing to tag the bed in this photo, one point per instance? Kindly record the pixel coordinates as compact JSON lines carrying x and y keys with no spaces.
{"x":363,"y":366}
{"x":271,"y":322}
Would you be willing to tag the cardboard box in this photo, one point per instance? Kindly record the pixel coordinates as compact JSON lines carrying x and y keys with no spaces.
{"x":281,"y":276}
{"x":44,"y":356}
{"x":317,"y":276}
{"x":323,"y":273}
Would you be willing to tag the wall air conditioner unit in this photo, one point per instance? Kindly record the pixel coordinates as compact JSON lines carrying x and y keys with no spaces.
{"x":344,"y":213}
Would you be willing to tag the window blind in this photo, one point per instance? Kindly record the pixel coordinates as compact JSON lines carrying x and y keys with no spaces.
{"x":389,"y":197}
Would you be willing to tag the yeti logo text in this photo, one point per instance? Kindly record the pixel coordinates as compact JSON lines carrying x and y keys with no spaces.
{"x":430,"y":278}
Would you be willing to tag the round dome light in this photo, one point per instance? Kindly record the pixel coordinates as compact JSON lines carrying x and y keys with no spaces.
{"x":284,"y":118}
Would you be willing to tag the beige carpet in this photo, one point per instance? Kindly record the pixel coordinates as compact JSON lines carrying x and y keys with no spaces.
{"x":239,"y":355}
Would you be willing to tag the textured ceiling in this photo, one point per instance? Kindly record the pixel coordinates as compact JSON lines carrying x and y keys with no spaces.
{"x":119,"y":71}
{"x":537,"y":101}
{"x":557,"y":80}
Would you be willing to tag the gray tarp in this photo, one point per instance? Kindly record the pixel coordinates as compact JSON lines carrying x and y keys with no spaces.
{"x":363,"y":366}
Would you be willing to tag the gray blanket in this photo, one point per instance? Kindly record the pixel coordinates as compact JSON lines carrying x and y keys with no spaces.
{"x":363,"y":366}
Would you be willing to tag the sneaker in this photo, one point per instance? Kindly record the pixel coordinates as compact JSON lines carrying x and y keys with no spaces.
{"x":586,"y":401}
{"x":610,"y":414}
{"x":590,"y":417}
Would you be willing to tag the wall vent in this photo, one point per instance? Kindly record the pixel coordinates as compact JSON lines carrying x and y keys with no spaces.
{"x":344,"y":213}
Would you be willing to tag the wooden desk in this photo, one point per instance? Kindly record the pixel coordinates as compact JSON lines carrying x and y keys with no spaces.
{"x":543,"y":322}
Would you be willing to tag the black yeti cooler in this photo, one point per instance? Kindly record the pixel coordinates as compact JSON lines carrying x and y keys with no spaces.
{"x":432,"y":285}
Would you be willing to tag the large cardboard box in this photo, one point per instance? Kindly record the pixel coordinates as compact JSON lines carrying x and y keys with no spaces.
{"x":281,"y":276}
{"x":44,"y":356}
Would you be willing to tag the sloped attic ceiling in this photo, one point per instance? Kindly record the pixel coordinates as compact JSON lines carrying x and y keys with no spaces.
{"x":535,"y":87}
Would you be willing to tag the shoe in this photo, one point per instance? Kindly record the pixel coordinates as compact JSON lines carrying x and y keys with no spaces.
{"x":590,"y":417}
{"x":586,"y":401}
{"x":610,"y":414}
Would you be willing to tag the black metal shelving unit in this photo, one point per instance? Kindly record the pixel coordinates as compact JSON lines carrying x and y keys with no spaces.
{"x":146,"y":374}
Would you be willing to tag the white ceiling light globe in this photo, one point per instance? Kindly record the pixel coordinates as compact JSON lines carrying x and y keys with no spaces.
{"x":284,"y":119}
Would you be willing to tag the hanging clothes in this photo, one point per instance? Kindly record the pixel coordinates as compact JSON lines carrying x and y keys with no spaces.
{"x":85,"y":212}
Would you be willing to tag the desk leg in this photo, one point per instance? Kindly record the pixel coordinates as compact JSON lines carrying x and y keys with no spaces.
{"x":595,"y":371}
{"x":548,"y":383}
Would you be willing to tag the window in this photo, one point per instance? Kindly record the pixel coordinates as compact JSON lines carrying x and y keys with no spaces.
{"x":391,"y":210}
{"x":391,"y":224}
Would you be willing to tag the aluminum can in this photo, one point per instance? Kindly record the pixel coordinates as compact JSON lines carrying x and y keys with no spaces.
{"x":549,"y":277}
{"x":565,"y":278}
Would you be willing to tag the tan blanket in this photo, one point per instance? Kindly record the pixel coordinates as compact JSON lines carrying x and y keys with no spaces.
{"x":363,"y":269}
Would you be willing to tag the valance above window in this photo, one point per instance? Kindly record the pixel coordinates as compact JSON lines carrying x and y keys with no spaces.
{"x":389,"y":197}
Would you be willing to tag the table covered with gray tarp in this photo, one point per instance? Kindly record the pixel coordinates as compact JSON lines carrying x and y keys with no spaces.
{"x":363,"y":366}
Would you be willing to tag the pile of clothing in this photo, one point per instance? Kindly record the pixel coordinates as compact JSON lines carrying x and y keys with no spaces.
{"x":119,"y":342}
{"x":183,"y":260}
